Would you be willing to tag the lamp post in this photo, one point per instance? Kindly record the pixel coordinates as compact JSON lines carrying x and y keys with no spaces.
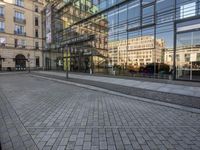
{"x":29,"y":70}
{"x":67,"y":72}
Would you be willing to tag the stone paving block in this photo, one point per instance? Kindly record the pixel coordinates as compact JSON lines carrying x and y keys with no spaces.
{"x":90,"y":119}
{"x":41,"y":145}
{"x":64,"y":141}
{"x":78,"y":148}
{"x":51,"y":141}
{"x":86,"y":145}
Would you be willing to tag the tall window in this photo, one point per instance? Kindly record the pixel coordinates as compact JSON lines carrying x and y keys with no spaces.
{"x":37,"y":62}
{"x":2,"y":41}
{"x":16,"y":42}
{"x":19,"y":29}
{"x":36,"y":9}
{"x":36,"y":45}
{"x":2,"y":26}
{"x":1,"y":11}
{"x":23,"y":43}
{"x":19,"y":3}
{"x":36,"y":33}
{"x":19,"y":15}
{"x":36,"y":21}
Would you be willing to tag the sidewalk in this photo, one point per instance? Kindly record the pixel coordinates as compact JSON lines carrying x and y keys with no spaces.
{"x":185,"y":90}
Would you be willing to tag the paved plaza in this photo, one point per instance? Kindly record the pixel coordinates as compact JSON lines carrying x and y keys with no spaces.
{"x":36,"y":113}
{"x":188,"y":90}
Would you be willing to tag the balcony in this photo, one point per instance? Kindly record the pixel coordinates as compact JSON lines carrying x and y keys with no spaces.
{"x":20,"y":33}
{"x":19,"y":20}
{"x":20,"y":46}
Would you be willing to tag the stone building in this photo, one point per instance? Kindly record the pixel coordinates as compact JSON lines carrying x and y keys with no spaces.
{"x":20,"y":34}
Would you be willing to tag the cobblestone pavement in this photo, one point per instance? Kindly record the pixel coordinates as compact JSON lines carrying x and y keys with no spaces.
{"x":40,"y":114}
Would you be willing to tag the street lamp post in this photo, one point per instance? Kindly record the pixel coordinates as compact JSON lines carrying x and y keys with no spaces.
{"x":29,"y":70}
{"x":67,"y":72}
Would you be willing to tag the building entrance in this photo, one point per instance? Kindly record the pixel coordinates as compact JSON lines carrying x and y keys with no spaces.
{"x":20,"y":62}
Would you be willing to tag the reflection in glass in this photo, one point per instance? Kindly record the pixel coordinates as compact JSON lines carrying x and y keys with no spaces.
{"x":188,"y":49}
{"x":134,"y":38}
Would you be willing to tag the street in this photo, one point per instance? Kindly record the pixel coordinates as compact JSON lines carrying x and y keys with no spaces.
{"x":41,"y":114}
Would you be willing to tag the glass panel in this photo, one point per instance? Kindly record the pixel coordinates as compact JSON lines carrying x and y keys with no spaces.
{"x":188,"y":49}
{"x":144,"y":2}
{"x":148,"y":15}
{"x":186,"y":9}
{"x":165,"y":34}
{"x":164,"y":5}
{"x":122,"y":14}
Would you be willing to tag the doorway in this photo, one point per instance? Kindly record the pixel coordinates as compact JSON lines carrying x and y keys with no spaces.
{"x":20,"y":62}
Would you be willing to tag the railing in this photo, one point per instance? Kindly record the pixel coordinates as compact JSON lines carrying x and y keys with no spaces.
{"x":19,"y":20}
{"x":20,"y":33}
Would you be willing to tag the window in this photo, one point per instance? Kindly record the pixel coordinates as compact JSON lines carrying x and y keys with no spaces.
{"x":19,"y":29}
{"x":1,"y":11}
{"x":37,"y":62}
{"x":36,"y":45}
{"x":19,"y":3}
{"x":16,"y":42}
{"x":177,"y":57}
{"x":20,"y":43}
{"x":187,"y":57}
{"x":198,"y":56}
{"x":2,"y":26}
{"x":36,"y":21}
{"x":36,"y":9}
{"x":36,"y":33}
{"x":19,"y":15}
{"x":23,"y":43}
{"x":2,"y":41}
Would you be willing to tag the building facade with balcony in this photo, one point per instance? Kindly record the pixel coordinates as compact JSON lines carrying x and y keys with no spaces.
{"x":160,"y":37}
{"x":21,"y":34}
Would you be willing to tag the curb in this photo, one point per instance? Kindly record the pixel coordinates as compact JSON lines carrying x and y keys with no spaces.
{"x":184,"y":108}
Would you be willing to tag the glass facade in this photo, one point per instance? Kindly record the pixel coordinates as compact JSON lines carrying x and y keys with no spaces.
{"x":147,"y":38}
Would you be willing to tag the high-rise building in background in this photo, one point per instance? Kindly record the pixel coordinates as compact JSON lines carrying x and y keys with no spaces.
{"x":20,"y":34}
{"x":156,"y":38}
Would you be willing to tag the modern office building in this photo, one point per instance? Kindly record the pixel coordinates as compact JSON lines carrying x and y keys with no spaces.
{"x":20,"y":34}
{"x":148,"y":37}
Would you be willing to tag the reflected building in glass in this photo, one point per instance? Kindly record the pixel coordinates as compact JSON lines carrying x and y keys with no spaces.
{"x":148,"y":38}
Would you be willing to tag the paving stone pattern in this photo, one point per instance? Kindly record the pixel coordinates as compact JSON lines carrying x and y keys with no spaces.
{"x":40,"y":114}
{"x":189,"y":101}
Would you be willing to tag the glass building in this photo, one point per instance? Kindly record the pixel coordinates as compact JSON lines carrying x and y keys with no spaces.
{"x":144,"y":38}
